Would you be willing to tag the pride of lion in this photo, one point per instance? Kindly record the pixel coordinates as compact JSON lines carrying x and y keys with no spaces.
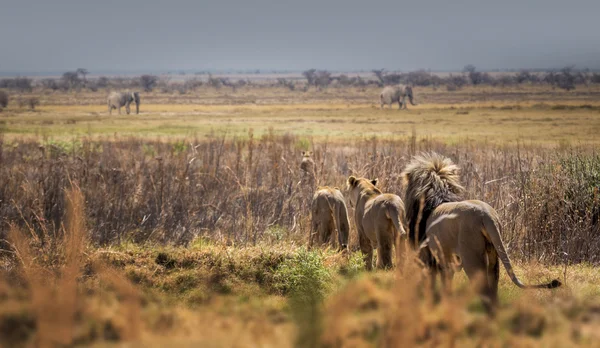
{"x":447,"y":232}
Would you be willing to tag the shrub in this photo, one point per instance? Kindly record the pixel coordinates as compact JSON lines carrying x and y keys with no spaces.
{"x":3,"y":99}
{"x":285,"y":83}
{"x":71,"y":80}
{"x":51,"y":84}
{"x":33,"y":102}
{"x":21,"y":84}
{"x":148,"y":82}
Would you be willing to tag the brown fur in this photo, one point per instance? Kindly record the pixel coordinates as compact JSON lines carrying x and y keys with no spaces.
{"x":307,"y":168}
{"x":465,"y":230}
{"x":329,"y":213}
{"x":378,"y":220}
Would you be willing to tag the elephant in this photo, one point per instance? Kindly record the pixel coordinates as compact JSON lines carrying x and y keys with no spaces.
{"x":396,"y":94}
{"x":116,"y":100}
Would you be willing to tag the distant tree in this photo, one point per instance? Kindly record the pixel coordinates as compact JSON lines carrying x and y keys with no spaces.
{"x":310,"y":76}
{"x":285,"y":83}
{"x":595,"y":78}
{"x":102,"y":82}
{"x":380,"y":74}
{"x":214,"y":82}
{"x":475,"y":76}
{"x":566,"y":78}
{"x":344,"y":80}
{"x":505,"y":80}
{"x":83,"y":72}
{"x":421,"y":78}
{"x":32,"y":102}
{"x":21,"y":84}
{"x":322,"y":78}
{"x":551,"y":78}
{"x":455,"y":82}
{"x":50,"y":83}
{"x":148,"y":82}
{"x":71,"y":79}
{"x":3,"y":99}
{"x":524,"y":76}
{"x":583,"y":77}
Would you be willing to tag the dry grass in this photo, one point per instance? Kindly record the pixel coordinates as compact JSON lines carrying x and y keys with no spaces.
{"x":192,"y":230}
{"x":548,"y":124}
{"x":494,"y":114}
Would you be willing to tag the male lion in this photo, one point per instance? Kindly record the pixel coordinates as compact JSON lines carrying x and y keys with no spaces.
{"x":378,"y":220}
{"x":329,"y":213}
{"x":447,"y":228}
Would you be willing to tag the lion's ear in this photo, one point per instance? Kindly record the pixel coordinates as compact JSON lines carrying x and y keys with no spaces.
{"x":374,"y":182}
{"x":351,"y":181}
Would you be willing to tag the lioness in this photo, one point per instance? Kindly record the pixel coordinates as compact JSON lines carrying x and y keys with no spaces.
{"x":377,"y":218}
{"x":307,"y":168}
{"x":329,"y":213}
{"x":445,"y":228}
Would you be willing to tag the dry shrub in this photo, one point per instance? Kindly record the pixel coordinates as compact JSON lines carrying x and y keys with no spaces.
{"x":50,"y":280}
{"x":3,"y":99}
{"x":242,"y":190}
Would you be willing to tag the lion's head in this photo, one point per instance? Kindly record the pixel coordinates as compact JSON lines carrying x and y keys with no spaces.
{"x":430,"y":180}
{"x":356,"y":186}
{"x":307,"y":165}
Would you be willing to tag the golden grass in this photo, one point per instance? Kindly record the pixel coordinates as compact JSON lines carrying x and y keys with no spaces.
{"x":496,"y":114}
{"x":539,"y":124}
{"x":220,"y":295}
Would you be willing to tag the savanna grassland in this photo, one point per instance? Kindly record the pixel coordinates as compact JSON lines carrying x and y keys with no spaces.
{"x":188,"y":223}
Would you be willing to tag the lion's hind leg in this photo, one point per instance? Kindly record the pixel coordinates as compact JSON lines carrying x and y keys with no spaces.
{"x":476,"y":267}
{"x":385,"y":242}
{"x":493,"y":273}
{"x":367,"y":250}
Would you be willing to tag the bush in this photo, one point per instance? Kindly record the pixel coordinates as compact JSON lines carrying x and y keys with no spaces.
{"x":21,"y":84}
{"x":71,"y":80}
{"x":51,"y":84}
{"x":285,"y":83}
{"x":148,"y":82}
{"x":455,"y":82}
{"x":305,"y":278}
{"x":3,"y":99}
{"x":33,"y":102}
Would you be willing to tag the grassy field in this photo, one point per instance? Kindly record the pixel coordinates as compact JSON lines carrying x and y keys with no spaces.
{"x":494,"y":115}
{"x":188,"y":224}
{"x":539,"y":123}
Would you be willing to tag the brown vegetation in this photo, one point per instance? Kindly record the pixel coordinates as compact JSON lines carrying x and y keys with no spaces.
{"x":237,"y":189}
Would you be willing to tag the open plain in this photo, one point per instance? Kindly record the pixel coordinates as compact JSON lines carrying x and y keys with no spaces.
{"x":188,"y":224}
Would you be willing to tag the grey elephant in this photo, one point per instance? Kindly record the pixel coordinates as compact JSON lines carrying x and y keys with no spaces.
{"x":116,"y":100}
{"x":396,"y":94}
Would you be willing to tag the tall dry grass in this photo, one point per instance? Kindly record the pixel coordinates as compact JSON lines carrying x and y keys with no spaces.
{"x":244,"y":190}
{"x":75,"y":297}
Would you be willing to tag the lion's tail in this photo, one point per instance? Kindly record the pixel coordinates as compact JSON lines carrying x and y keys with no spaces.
{"x":394,"y":214}
{"x":492,"y":234}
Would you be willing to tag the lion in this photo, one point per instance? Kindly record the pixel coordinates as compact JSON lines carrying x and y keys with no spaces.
{"x":329,"y":213}
{"x":378,"y":220}
{"x":448,"y":231}
{"x":307,"y":168}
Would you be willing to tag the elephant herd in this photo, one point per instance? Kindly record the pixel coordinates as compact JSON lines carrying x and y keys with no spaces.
{"x":388,"y":96}
{"x":446,"y":232}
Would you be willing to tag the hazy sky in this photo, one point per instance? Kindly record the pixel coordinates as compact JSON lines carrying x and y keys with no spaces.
{"x":51,"y":35}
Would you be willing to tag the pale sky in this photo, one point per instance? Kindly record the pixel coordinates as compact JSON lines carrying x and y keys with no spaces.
{"x":146,"y":35}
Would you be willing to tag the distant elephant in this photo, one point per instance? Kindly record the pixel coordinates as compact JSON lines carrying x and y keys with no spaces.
{"x":116,"y":100}
{"x":396,"y":94}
